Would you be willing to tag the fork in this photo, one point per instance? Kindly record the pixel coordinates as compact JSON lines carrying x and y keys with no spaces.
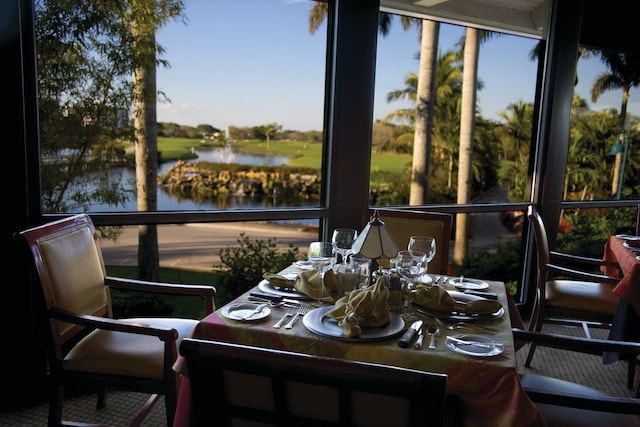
{"x":301,"y":311}
{"x":289,"y":313}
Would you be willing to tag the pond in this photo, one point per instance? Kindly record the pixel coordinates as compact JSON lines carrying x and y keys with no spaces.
{"x":170,"y":202}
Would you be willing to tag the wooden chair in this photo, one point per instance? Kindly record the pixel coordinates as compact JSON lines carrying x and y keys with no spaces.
{"x":233,"y":382}
{"x":584,"y":299}
{"x":86,"y":347}
{"x":566,"y":404}
{"x":402,"y":224}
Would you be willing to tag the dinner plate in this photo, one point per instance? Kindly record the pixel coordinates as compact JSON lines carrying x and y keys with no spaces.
{"x":475,"y":350}
{"x":267,"y":287}
{"x":317,"y":322}
{"x":633,"y":248}
{"x":240,"y":310}
{"x":627,"y":237}
{"x":461,"y":297}
{"x":474,"y":284}
{"x":304,"y":265}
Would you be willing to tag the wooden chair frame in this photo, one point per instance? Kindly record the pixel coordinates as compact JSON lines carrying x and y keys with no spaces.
{"x":403,"y":224}
{"x":555,"y":263}
{"x":339,"y":391}
{"x":57,"y":286}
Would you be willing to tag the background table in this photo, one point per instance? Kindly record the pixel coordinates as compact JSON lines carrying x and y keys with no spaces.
{"x":488,"y":386}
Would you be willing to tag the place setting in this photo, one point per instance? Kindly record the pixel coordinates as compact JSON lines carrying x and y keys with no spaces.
{"x":362,"y":315}
{"x":440,"y":303}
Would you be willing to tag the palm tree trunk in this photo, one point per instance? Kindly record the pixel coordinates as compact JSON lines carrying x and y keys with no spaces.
{"x":146,"y":151}
{"x":419,"y":192}
{"x":467,"y":125}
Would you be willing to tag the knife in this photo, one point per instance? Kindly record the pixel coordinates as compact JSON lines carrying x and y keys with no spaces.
{"x":491,"y":344}
{"x":410,"y":334}
{"x":420,"y":338}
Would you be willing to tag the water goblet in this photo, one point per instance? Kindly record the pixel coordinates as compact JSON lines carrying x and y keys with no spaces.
{"x":321,"y":255}
{"x":423,"y":244}
{"x":342,"y":240}
{"x":410,"y":266}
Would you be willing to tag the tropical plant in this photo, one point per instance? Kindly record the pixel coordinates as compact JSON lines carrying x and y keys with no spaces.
{"x":624,"y":73}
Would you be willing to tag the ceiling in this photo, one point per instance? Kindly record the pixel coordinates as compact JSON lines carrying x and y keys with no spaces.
{"x":522,"y":17}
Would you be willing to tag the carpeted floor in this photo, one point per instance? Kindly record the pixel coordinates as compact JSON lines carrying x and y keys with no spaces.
{"x":576,"y":367}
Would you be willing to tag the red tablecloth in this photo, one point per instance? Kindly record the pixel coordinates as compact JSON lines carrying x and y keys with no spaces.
{"x":489,"y":386}
{"x":629,"y":286}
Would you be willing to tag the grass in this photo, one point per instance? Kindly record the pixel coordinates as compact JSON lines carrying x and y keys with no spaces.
{"x":301,"y":153}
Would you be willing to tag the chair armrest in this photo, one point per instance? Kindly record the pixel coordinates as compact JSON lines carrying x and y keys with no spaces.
{"x":116,"y":325}
{"x":205,"y":291}
{"x":559,"y":257}
{"x":578,"y":344}
{"x":576,"y":274}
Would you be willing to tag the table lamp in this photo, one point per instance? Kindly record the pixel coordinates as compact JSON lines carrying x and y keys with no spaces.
{"x":375,"y":242}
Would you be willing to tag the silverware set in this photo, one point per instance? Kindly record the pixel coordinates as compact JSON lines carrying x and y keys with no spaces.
{"x":302,"y":310}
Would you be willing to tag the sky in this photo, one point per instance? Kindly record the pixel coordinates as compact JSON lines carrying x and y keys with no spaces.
{"x":247,"y":63}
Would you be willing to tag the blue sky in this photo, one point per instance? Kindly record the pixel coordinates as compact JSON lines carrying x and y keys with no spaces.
{"x":253,"y":62}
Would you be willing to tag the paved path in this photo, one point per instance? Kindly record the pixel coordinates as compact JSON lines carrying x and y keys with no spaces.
{"x":196,"y":246}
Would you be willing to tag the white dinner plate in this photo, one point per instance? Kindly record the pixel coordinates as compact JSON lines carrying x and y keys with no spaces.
{"x":317,"y":322}
{"x":240,"y":310}
{"x":462,"y":297}
{"x":303,"y":265}
{"x":627,"y":237}
{"x":267,"y":287}
{"x":475,"y":350}
{"x":473,"y":284}
{"x":633,"y":248}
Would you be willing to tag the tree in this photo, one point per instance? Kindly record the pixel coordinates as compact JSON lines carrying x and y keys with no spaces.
{"x":267,"y":132}
{"x":467,"y":124}
{"x":624,"y":73}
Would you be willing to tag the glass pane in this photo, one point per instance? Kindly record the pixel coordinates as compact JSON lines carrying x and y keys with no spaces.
{"x":243,"y":92}
{"x":506,"y":81}
{"x":603,"y":153}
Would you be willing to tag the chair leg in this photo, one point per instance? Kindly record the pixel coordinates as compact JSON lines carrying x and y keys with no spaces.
{"x":631,"y":374}
{"x":56,"y":395}
{"x":102,"y":399}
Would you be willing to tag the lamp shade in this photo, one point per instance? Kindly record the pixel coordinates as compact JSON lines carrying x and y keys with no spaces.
{"x":374,"y":241}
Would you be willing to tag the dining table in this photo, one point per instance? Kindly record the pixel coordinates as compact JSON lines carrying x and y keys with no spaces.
{"x":483,"y":379}
{"x":627,"y":317}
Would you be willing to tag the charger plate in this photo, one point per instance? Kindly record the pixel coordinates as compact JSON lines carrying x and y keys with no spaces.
{"x":318,"y":323}
{"x":460,"y":297}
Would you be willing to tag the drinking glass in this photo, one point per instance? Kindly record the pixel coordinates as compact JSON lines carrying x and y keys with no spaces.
{"x":410,"y":266}
{"x":342,"y":240}
{"x":348,"y":278}
{"x":425,"y":245}
{"x":321,"y":255}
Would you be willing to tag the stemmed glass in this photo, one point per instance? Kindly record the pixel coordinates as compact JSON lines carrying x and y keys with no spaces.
{"x":321,"y":255}
{"x":423,"y":245}
{"x":342,"y":240}
{"x":410,"y":266}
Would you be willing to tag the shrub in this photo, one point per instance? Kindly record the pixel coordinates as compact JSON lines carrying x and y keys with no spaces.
{"x":244,"y":265}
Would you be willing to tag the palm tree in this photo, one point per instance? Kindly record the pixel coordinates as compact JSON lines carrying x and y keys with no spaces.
{"x":419,"y":190}
{"x":624,"y":74}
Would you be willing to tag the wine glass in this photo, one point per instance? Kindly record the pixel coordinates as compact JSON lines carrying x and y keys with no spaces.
{"x":321,"y":255}
{"x":425,"y":245}
{"x":410,"y":266}
{"x":342,"y":240}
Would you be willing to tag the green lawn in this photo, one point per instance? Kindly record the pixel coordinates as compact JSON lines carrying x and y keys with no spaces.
{"x":302,"y":153}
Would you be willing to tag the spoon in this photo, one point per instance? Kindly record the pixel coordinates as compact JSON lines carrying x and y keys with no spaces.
{"x":432,"y":330}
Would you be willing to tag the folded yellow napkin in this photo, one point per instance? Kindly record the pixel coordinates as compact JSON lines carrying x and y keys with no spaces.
{"x":362,"y":308}
{"x":438,"y":299}
{"x":310,"y":283}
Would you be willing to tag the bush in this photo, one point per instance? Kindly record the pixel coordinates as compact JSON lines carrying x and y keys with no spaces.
{"x":243,"y":266}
